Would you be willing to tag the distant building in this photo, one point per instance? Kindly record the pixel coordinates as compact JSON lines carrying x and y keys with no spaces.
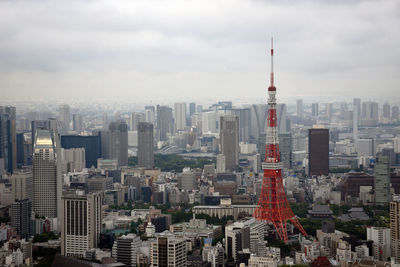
{"x":187,"y":181}
{"x":180,"y":116}
{"x":168,"y":251}
{"x":145,"y":145}
{"x":314,"y":109}
{"x":118,"y":142}
{"x":381,"y":238}
{"x":229,"y":138}
{"x":126,"y":248}
{"x":394,"y":228}
{"x":21,"y":213}
{"x":8,"y":138}
{"x":318,"y":149}
{"x":77,"y":123}
{"x":21,"y":183}
{"x":81,"y":223}
{"x":64,"y":116}
{"x":382,"y":180}
{"x":47,"y":183}
{"x":91,"y":144}
{"x":299,"y":108}
{"x":164,"y":122}
{"x":285,"y":149}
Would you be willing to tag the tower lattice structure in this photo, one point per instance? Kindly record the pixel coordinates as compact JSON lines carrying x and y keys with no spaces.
{"x":273,"y":205}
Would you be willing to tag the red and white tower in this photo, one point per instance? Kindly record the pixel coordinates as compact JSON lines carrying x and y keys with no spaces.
{"x":272,"y":205}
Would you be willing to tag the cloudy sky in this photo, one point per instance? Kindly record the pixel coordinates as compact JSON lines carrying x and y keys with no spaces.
{"x":205,"y":49}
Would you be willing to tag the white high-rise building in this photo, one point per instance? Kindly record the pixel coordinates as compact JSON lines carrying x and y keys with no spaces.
{"x":355,"y":121}
{"x":47,"y":181}
{"x":180,"y":116}
{"x":381,"y":245}
{"x":365,"y":147}
{"x":396,"y":144}
{"x":65,"y":117}
{"x":299,"y":108}
{"x":125,"y":249}
{"x":80,"y":223}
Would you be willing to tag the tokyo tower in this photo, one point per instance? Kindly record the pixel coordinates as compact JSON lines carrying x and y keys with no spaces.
{"x":273,"y":205}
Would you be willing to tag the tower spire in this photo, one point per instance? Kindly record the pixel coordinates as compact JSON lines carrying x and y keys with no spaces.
{"x":272,"y":62}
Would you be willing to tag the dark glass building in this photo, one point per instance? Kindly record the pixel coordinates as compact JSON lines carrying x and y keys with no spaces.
{"x":91,"y":144}
{"x":318,"y":149}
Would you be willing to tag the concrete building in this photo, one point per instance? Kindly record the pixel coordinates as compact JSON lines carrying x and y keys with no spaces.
{"x":229,"y":138}
{"x":365,"y":147}
{"x":21,"y":213}
{"x":180,"y":116}
{"x":237,"y":238}
{"x":126,"y":249}
{"x":285,"y":149}
{"x":81,"y":223}
{"x":64,"y":116}
{"x":47,"y":181}
{"x":134,"y":120}
{"x":213,"y":254}
{"x":395,"y":228}
{"x":77,"y":123}
{"x":299,"y":108}
{"x":318,"y":149}
{"x":118,"y":142}
{"x":8,"y":138}
{"x":268,"y":261}
{"x":221,"y":163}
{"x":164,"y":122}
{"x":22,"y":183}
{"x":74,"y":159}
{"x":382,"y":180}
{"x":381,"y":245}
{"x":168,"y":251}
{"x":187,"y":180}
{"x":145,"y":145}
{"x":314,"y":110}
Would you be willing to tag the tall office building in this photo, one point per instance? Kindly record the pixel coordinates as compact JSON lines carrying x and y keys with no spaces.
{"x":365,"y":147}
{"x":285,"y":149}
{"x":229,"y":138}
{"x":244,"y":123}
{"x":105,"y":121}
{"x":356,"y":115}
{"x":258,"y":121}
{"x":180,"y":116}
{"x":329,"y":110}
{"x":8,"y":138}
{"x":314,"y":109}
{"x":64,"y":116}
{"x":192,"y":108}
{"x":369,"y":113}
{"x":299,"y":108}
{"x":91,"y":144}
{"x":381,"y":242}
{"x":357,"y":106}
{"x":382,"y":180}
{"x":187,"y":181}
{"x":22,"y":183}
{"x":134,"y":120}
{"x":77,"y":123}
{"x":318,"y":149}
{"x":80,"y":223}
{"x":386,"y":110}
{"x":145,"y":145}
{"x":395,"y":113}
{"x":168,"y":251}
{"x":395,"y":228}
{"x":283,"y":121}
{"x":164,"y":122}
{"x":47,"y":183}
{"x":21,"y":213}
{"x":126,"y":248}
{"x":150,"y":114}
{"x":118,"y":142}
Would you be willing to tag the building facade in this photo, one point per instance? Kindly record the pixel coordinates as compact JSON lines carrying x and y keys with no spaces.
{"x":145,"y":145}
{"x":318,"y":149}
{"x":229,"y":138}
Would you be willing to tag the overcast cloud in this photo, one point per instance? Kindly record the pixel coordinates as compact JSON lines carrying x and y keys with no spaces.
{"x":188,"y":50}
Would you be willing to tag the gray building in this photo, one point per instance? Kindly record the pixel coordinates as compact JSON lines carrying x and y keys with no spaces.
{"x":64,"y":116}
{"x":145,"y":145}
{"x":21,"y":213}
{"x":8,"y":138}
{"x":229,"y":138}
{"x":77,"y":123}
{"x":118,"y":142}
{"x":125,"y":249}
{"x":21,"y":182}
{"x":164,"y":122}
{"x":285,"y":149}
{"x":244,"y":123}
{"x":187,"y":181}
{"x":47,"y":182}
{"x":382,"y":180}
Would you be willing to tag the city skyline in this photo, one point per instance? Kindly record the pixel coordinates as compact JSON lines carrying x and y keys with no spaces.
{"x":186,"y":51}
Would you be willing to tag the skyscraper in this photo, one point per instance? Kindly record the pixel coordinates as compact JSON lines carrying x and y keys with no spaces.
{"x":357,"y":106}
{"x":118,"y":142}
{"x":285,"y":149}
{"x":134,"y":120}
{"x":192,"y":108}
{"x":150,"y":114}
{"x":281,"y":114}
{"x":258,"y":120}
{"x":299,"y":108}
{"x":386,"y":110}
{"x":164,"y":122}
{"x":47,"y":183}
{"x":8,"y":138}
{"x":21,"y":213}
{"x":180,"y":116}
{"x":80,"y":223}
{"x":314,"y":109}
{"x":356,"y":115}
{"x":145,"y":145}
{"x":229,"y":138}
{"x":382,"y":180}
{"x":318,"y":149}
{"x":329,"y":110}
{"x":244,"y":123}
{"x":21,"y":183}
{"x":77,"y":123}
{"x":64,"y":116}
